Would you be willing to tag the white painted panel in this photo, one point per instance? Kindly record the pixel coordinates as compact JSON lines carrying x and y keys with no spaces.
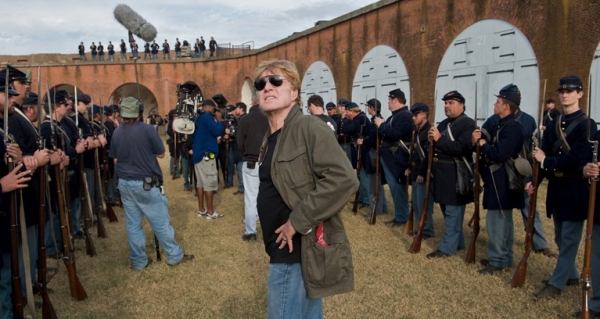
{"x":247,"y":92}
{"x":494,"y":53}
{"x":318,"y":79}
{"x":380,"y":71}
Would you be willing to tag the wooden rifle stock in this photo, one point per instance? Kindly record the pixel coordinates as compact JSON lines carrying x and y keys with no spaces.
{"x":518,"y":278}
{"x":411,"y":215}
{"x":415,"y":247}
{"x":586,"y":280}
{"x":17,"y":295}
{"x":373,"y":217}
{"x":77,"y":291}
{"x":48,"y":311}
{"x":474,"y":222}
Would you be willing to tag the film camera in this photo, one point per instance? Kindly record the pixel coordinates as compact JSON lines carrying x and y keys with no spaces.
{"x":186,"y":107}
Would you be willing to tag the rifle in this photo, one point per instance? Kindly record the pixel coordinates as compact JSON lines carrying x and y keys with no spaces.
{"x":47,"y":308}
{"x":373,"y":217}
{"x":518,"y":278}
{"x":358,"y":167}
{"x":411,"y":215}
{"x":586,"y":281}
{"x":474,"y":222}
{"x":17,"y":296}
{"x":77,"y":290}
{"x":90,"y":250}
{"x":112,"y":217}
{"x":415,"y":247}
{"x":96,"y":209}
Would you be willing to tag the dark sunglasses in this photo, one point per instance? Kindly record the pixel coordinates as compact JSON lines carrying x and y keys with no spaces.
{"x":275,"y":80}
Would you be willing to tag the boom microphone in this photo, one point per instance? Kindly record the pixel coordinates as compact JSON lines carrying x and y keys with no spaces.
{"x":134,"y":22}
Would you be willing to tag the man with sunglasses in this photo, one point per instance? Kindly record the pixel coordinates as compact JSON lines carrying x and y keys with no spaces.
{"x":565,"y":150}
{"x":304,"y":184}
{"x":395,"y":133}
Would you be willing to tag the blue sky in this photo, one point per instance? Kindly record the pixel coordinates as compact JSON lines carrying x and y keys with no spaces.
{"x":42,"y":26}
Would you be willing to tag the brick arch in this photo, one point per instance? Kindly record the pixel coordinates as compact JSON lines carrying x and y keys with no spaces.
{"x":130,"y":89}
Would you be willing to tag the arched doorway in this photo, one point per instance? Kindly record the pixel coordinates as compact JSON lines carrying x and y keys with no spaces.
{"x":247,"y":88}
{"x":380,"y":71}
{"x":491,"y":53}
{"x":130,"y":89}
{"x":318,"y":79}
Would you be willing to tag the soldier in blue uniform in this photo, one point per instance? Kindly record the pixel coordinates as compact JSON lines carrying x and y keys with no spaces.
{"x":489,"y":128}
{"x":452,"y":147}
{"x":369,"y":143}
{"x":357,"y":125}
{"x":498,"y":198}
{"x":565,"y":150}
{"x":395,"y":133}
{"x":417,"y":169}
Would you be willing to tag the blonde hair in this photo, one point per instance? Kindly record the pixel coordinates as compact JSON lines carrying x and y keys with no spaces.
{"x":286,"y":68}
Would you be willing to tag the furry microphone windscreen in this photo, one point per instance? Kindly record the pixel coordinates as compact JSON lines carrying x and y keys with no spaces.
{"x":134,"y":23}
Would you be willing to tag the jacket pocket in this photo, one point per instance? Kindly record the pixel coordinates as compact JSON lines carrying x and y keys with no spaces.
{"x":294,"y":167}
{"x":327,"y":265}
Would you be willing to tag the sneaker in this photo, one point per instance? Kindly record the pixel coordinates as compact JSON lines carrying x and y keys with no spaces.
{"x":249,"y":237}
{"x":215,"y":215}
{"x":202,"y":214}
{"x":184,"y":259}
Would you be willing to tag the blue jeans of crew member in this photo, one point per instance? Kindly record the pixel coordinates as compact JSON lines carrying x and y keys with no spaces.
{"x":286,"y":294}
{"x":454,"y":238}
{"x":202,"y":53}
{"x":111,"y":57}
{"x":178,"y":54}
{"x":567,"y":236}
{"x":94,"y":57}
{"x":240,"y":167}
{"x":382,"y":207}
{"x":539,"y":241}
{"x":185,"y":172}
{"x":501,"y":233}
{"x":418,"y":201}
{"x":398,"y":194}
{"x":595,"y":270}
{"x":138,"y":203}
{"x":251,"y":180}
{"x":363,"y":190}
{"x":124,"y":56}
{"x":82,"y":57}
{"x":230,"y":165}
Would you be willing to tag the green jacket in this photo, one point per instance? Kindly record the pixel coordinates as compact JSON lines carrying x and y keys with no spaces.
{"x":315,"y":179}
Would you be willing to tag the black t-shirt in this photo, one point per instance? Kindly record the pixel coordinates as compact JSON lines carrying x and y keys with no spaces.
{"x":273,"y":212}
{"x":329,"y":121}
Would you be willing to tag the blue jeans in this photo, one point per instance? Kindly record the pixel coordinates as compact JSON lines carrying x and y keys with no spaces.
{"x":138,"y":203}
{"x":186,"y":172}
{"x":363,"y":193}
{"x":202,"y":54}
{"x":240,"y":167}
{"x":567,"y":236}
{"x":251,"y":180}
{"x":123,"y":56}
{"x":398,"y":194}
{"x":539,"y":242}
{"x":382,"y":207}
{"x":418,"y":201}
{"x":454,"y":238}
{"x":111,"y":57}
{"x":286,"y":294}
{"x":595,"y":270}
{"x":230,"y":166}
{"x":501,"y":233}
{"x":82,"y":57}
